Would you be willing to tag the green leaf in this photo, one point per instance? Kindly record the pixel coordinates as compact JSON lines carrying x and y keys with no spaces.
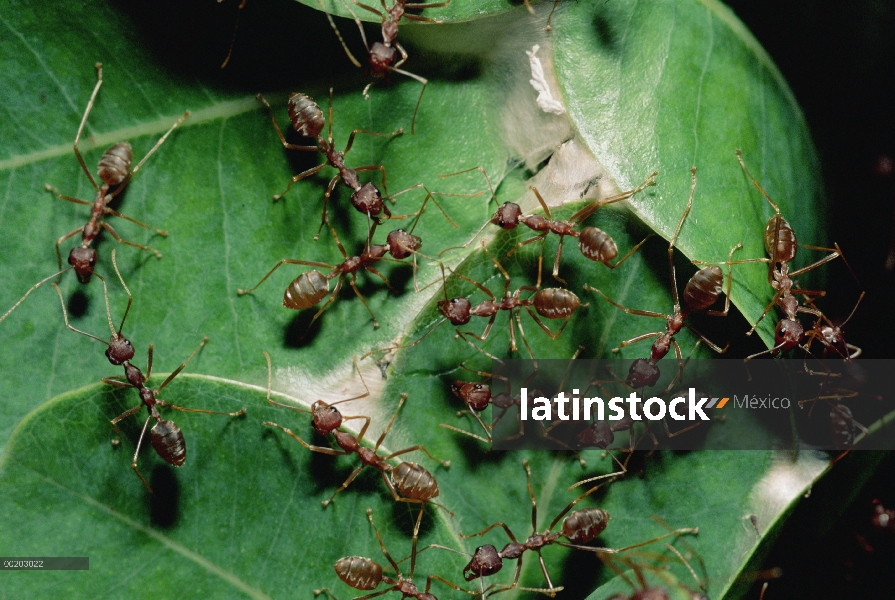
{"x":651,"y":88}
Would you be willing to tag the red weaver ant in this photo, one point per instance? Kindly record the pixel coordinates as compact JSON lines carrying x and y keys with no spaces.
{"x":115,"y":172}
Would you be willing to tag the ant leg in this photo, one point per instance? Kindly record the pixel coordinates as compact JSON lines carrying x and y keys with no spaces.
{"x":411,"y":345}
{"x":353,"y":285}
{"x":312,"y":448}
{"x":468,"y":433}
{"x":285,"y":261}
{"x":325,"y":591}
{"x":630,"y":311}
{"x":33,"y":287}
{"x":118,"y":239}
{"x":332,"y":24}
{"x":178,"y":369}
{"x":137,"y":454}
{"x":99,"y":83}
{"x":442,"y":579}
{"x":422,"y":80}
{"x":489,"y":528}
{"x":235,"y":31}
{"x":445,"y":463}
{"x":65,"y":312}
{"x":62,"y":239}
{"x":723,"y":313}
{"x":152,"y":150}
{"x":237,"y":413}
{"x":59,"y":195}
{"x":550,"y":16}
{"x":115,"y":213}
{"x":126,"y":413}
{"x":421,"y":6}
{"x":344,"y":485}
{"x":286,"y":144}
{"x":382,"y":545}
{"x":375,"y":133}
{"x":299,"y":177}
{"x":598,"y":204}
{"x":629,"y":254}
{"x":389,"y":426}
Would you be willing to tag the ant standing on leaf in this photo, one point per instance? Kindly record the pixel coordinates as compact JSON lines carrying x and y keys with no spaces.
{"x":700,"y":293}
{"x":594,"y":243}
{"x":165,"y":436}
{"x":409,"y":482}
{"x":550,"y":303}
{"x":383,"y":56}
{"x":307,"y":119}
{"x":115,"y":172}
{"x":364,"y":573}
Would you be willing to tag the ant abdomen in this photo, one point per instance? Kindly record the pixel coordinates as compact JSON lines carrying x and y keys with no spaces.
{"x":359,"y":572}
{"x":555,"y":303}
{"x":583,"y":526}
{"x":306,"y":117}
{"x":167,"y":439}
{"x":597,"y":245}
{"x":704,"y":288}
{"x":414,"y":482}
{"x":115,"y":163}
{"x":306,"y":290}
{"x":786,"y":239}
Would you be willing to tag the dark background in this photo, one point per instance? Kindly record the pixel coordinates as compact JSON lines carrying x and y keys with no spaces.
{"x":839,"y":59}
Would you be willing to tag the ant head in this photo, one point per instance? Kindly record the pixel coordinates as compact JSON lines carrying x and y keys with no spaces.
{"x":455,"y":310}
{"x":367,"y":200}
{"x":115,"y":164}
{"x":788,"y":334}
{"x":642,"y":373}
{"x":597,"y":435}
{"x":833,"y":338}
{"x":401,"y":244}
{"x":326,"y":418}
{"x":120,"y":350}
{"x":381,"y":58}
{"x":306,"y":117}
{"x":484,"y":562}
{"x":83,"y":260}
{"x":507,"y":216}
{"x":477,"y":396}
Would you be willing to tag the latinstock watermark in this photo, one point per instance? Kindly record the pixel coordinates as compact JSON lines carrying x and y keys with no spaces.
{"x":696,"y":405}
